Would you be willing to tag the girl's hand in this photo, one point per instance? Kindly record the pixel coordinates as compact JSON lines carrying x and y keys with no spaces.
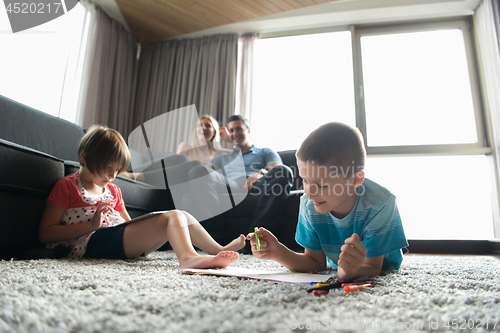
{"x":100,"y":214}
{"x":352,"y":256}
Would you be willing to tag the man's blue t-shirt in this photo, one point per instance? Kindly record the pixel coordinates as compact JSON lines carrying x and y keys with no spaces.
{"x":254,"y":159}
{"x":374,"y":217}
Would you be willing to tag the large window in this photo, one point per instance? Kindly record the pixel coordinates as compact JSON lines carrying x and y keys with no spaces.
{"x":419,"y":81}
{"x":412,"y":90}
{"x":299,"y":83}
{"x":418,"y":90}
{"x":439,"y":197}
{"x":38,"y":64}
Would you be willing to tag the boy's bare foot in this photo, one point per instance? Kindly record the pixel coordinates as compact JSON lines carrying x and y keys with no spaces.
{"x":221,"y":260}
{"x":236,"y":244}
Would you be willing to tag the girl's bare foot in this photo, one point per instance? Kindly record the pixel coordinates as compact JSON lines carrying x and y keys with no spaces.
{"x":221,"y":260}
{"x":236,"y":244}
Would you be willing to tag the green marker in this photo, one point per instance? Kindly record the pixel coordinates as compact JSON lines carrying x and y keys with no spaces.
{"x":257,"y":243}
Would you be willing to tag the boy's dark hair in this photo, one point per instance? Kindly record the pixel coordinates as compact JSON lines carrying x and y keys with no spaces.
{"x":239,"y":117}
{"x":101,"y":146}
{"x":334,"y":144}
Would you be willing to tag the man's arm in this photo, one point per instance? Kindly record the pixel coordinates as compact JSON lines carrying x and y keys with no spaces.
{"x":253,"y":178}
{"x":271,"y":158}
{"x":271,"y":165}
{"x":215,"y":162}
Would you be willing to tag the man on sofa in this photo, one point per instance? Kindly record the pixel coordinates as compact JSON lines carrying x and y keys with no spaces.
{"x":266,"y":175}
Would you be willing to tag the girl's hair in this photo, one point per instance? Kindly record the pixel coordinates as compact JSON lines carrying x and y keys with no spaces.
{"x":334,"y":144}
{"x":102,"y":146}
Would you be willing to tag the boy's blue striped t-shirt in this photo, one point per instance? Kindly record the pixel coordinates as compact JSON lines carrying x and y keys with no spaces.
{"x":374,"y":217}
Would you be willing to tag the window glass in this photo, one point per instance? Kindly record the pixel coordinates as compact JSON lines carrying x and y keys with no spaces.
{"x":416,"y":92}
{"x":439,"y":197}
{"x":417,"y":89}
{"x":35,"y":62}
{"x":300,"y":83}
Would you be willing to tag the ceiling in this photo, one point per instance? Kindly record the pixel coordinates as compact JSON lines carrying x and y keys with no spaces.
{"x":156,"y":20}
{"x":172,"y":18}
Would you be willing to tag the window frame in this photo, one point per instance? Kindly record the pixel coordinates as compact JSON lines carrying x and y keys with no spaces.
{"x":481,"y":147}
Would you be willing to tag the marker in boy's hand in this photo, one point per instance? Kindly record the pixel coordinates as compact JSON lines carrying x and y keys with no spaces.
{"x":257,"y":243}
{"x":268,"y":244}
{"x":352,"y":255}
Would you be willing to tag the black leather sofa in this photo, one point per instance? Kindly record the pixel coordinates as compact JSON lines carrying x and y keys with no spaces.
{"x":37,"y":149}
{"x":235,"y":221}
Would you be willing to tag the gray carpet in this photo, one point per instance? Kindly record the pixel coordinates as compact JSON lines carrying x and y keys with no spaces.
{"x":429,"y":293}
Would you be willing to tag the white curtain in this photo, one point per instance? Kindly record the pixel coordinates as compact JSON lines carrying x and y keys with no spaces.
{"x":489,"y":58}
{"x":108,"y":83}
{"x":74,"y":65}
{"x":180,"y":72}
{"x":245,"y":75}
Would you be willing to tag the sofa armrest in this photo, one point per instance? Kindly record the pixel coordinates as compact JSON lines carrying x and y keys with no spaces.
{"x":289,"y":159}
{"x":26,"y":178}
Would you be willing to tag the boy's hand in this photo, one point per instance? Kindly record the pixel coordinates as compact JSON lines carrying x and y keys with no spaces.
{"x":100,"y":214}
{"x":352,"y":256}
{"x":268,"y":244}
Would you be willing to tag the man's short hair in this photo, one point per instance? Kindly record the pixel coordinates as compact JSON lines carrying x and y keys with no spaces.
{"x":239,"y":117}
{"x":334,"y":144}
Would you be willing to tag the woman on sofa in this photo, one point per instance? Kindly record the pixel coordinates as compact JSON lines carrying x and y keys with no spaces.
{"x":205,"y":142}
{"x":204,"y":146}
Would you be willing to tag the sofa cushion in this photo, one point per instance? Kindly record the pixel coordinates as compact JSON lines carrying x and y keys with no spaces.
{"x":38,"y":130}
{"x":247,"y":206}
{"x":289,"y":159}
{"x":27,"y":179}
{"x":140,"y":198}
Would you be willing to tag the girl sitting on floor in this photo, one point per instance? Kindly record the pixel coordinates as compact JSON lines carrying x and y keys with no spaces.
{"x":86,"y":213}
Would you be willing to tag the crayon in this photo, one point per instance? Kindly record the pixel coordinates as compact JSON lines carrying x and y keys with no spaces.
{"x":360,"y":279}
{"x":355,"y":287}
{"x":337,"y":283}
{"x":257,"y":242}
{"x":356,"y":283}
{"x":320,"y":292}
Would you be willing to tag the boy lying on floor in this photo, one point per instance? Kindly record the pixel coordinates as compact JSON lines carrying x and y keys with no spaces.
{"x":344,"y":217}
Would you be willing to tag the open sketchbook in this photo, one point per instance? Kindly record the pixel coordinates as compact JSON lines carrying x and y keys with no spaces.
{"x":287,"y":277}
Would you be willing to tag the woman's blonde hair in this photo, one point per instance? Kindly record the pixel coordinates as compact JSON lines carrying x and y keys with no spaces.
{"x":102,"y":146}
{"x":215,"y":139}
